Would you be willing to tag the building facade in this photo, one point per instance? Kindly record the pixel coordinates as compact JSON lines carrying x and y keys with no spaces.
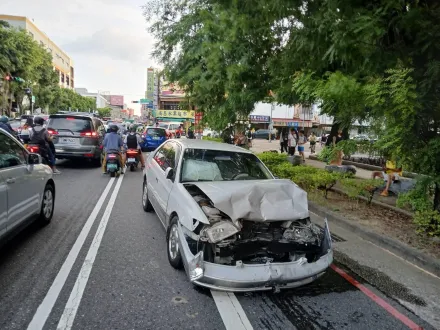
{"x":62,"y":63}
{"x":101,"y":101}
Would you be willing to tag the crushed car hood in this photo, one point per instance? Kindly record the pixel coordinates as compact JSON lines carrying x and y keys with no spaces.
{"x":263,"y":200}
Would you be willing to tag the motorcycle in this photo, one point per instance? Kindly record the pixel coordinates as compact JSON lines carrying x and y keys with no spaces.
{"x":113,"y":166}
{"x":132,"y":159}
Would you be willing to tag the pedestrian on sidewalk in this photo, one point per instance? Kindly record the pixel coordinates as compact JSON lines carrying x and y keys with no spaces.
{"x":312,"y":140}
{"x":284,"y":140}
{"x":301,"y":142}
{"x":291,"y":142}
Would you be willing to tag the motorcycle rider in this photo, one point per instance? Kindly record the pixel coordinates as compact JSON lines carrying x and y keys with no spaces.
{"x":4,"y":123}
{"x":133,"y":141}
{"x":113,"y":142}
{"x":38,"y":135}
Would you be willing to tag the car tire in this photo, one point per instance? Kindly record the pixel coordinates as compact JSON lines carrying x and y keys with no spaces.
{"x":173,"y":248}
{"x":47,"y":205}
{"x":146,"y":204}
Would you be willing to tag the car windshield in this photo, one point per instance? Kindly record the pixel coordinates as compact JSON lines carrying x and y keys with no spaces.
{"x":72,"y":124}
{"x":156,"y":132}
{"x":219,"y":165}
{"x":163,"y":125}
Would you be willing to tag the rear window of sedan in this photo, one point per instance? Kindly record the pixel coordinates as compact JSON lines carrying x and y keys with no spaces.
{"x":156,"y":132}
{"x":72,"y":124}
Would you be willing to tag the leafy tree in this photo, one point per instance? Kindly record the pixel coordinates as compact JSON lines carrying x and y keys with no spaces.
{"x":21,"y":56}
{"x":67,"y":99}
{"x":376,"y":61}
{"x":104,"y":112}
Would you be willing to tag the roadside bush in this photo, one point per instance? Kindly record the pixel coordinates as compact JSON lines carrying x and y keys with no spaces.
{"x":208,"y":138}
{"x":354,"y":188}
{"x":421,"y":201}
{"x":272,"y":159}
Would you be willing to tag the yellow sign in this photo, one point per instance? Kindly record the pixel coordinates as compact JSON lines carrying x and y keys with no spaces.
{"x":176,"y":114}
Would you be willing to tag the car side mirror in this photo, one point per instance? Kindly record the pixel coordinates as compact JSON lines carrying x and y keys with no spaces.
{"x":34,"y":159}
{"x":169,"y":173}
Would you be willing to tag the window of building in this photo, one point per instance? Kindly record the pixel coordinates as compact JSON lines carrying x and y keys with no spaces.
{"x":62,"y":78}
{"x":31,"y":34}
{"x":171,"y":106}
{"x":41,"y":43}
{"x":67,"y":80}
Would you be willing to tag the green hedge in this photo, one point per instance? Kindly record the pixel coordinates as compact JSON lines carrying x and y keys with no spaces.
{"x":208,"y":138}
{"x":311,"y":178}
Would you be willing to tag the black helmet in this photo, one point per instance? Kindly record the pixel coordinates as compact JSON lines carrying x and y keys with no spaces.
{"x":39,"y":121}
{"x":114,"y":128}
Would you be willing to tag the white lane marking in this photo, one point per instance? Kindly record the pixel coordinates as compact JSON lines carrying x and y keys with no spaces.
{"x":51,"y":297}
{"x":72,"y":305}
{"x":231,"y":312}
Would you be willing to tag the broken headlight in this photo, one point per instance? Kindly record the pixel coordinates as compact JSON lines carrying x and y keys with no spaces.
{"x":219,"y":231}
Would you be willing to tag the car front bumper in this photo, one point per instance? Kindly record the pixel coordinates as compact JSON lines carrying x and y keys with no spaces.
{"x":251,"y":277}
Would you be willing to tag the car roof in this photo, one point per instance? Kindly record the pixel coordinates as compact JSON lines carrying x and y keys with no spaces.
{"x":155,"y":127}
{"x":210,"y":145}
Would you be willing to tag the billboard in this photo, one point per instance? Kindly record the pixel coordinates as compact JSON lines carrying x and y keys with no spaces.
{"x":150,"y":84}
{"x":184,"y":114}
{"x":259,"y":119}
{"x":117,"y":100}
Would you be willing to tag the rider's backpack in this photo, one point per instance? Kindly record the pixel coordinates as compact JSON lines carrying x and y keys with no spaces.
{"x":39,"y":139}
{"x":132,"y":141}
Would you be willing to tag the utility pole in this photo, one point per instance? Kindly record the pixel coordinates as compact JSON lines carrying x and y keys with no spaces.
{"x":272,"y":107}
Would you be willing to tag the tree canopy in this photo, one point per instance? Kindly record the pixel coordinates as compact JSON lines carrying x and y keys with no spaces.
{"x":21,"y":56}
{"x":377,"y":61}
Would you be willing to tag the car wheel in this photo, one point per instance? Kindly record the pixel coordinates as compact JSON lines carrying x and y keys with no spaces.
{"x":173,"y":247}
{"x":47,"y":206}
{"x":145,"y":200}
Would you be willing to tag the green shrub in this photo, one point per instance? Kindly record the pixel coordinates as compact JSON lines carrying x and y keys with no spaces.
{"x":208,"y":138}
{"x":354,"y":187}
{"x":272,"y":159}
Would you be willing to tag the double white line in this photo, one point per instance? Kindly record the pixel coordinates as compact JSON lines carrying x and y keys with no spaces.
{"x":45,"y":308}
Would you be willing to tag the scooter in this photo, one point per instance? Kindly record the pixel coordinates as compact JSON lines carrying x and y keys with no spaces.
{"x":113,"y":165}
{"x":132,"y":159}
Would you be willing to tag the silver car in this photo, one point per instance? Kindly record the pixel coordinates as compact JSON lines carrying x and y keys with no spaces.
{"x":27,"y":190}
{"x":230,"y":223}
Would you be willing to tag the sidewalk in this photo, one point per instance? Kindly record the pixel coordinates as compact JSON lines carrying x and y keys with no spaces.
{"x":259,"y":145}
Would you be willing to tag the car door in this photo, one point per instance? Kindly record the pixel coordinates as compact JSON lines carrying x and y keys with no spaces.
{"x":3,"y":204}
{"x":160,"y":162}
{"x":155,"y":168}
{"x":164,"y":185}
{"x":23,"y":199}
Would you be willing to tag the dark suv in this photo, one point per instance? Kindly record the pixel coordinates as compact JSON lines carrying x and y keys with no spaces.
{"x":77,"y":136}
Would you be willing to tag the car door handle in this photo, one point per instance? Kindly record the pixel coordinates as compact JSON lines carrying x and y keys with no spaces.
{"x":10,"y":180}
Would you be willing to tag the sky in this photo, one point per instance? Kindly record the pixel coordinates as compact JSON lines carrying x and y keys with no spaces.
{"x":106,"y":39}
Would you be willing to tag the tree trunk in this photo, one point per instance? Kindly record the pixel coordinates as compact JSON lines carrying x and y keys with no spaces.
{"x":437,"y":197}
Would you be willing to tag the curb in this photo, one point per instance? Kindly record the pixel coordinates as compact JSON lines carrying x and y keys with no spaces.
{"x":402,"y":250}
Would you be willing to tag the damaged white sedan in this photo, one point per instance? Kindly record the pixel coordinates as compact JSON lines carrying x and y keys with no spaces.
{"x":230,"y":223}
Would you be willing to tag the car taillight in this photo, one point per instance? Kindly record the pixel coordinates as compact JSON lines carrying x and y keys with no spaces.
{"x":52,"y":132}
{"x":111,"y":156}
{"x":33,"y":149}
{"x":89,"y":134}
{"x":132,"y":152}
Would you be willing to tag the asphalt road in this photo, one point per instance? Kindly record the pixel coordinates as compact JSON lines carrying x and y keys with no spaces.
{"x":102,"y":264}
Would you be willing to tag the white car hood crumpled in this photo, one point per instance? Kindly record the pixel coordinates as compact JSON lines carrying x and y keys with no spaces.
{"x":260,"y":201}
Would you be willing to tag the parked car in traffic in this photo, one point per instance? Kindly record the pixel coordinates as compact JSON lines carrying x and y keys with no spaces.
{"x":170,"y":127}
{"x":153,"y":137}
{"x":264,"y":134}
{"x":229,"y":222}
{"x":27,"y":190}
{"x":77,"y":136}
